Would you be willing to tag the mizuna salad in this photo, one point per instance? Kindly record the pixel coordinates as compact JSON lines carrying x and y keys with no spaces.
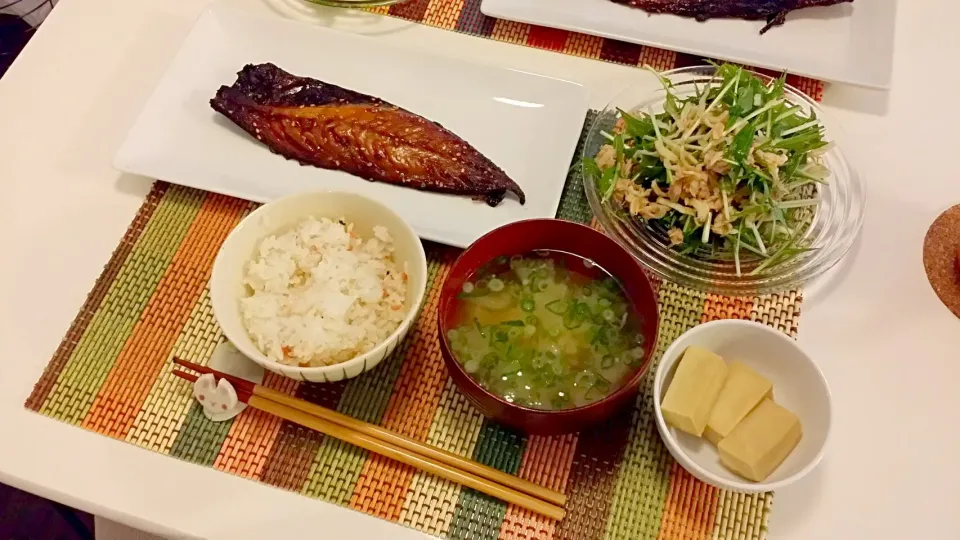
{"x":728,"y":173}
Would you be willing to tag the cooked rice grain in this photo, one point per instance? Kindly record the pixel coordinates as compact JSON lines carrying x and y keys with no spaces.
{"x":320,"y":295}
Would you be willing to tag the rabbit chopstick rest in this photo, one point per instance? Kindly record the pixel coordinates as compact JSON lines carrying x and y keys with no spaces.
{"x":219,"y":400}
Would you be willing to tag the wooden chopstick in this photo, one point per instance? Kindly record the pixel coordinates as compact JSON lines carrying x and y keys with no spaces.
{"x":411,"y":455}
{"x":396,"y":453}
{"x":412,"y":445}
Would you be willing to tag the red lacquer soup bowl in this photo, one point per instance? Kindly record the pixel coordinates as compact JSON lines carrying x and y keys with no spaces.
{"x":524,"y":237}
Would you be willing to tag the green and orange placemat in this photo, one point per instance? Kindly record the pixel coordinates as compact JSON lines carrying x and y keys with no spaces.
{"x":112,"y":374}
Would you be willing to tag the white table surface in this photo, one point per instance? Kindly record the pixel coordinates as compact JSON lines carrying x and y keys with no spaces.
{"x":886,"y":344}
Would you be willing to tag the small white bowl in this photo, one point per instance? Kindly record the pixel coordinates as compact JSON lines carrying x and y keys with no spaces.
{"x":798,"y":385}
{"x":226,"y":281}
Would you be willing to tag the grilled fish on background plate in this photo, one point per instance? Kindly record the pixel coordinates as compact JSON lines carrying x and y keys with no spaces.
{"x":774,"y":11}
{"x":324,"y":125}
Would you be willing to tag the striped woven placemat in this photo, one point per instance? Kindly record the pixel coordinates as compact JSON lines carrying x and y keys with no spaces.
{"x":112,"y":375}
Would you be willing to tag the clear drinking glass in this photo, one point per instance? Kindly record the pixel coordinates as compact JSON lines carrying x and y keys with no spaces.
{"x":835,"y":225}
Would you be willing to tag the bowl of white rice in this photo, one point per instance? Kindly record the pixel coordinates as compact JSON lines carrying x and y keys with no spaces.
{"x":319,"y":286}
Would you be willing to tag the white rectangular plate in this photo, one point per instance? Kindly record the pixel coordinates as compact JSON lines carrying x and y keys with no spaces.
{"x":526,"y":124}
{"x":851,"y":43}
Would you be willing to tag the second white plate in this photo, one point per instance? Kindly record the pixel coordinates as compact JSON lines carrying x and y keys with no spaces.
{"x":850,"y":43}
{"x":527,"y":124}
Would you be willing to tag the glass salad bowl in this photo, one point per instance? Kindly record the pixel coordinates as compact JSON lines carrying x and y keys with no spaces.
{"x":826,"y":233}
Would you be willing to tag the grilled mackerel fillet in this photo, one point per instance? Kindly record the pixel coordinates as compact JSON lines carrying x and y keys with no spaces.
{"x":774,"y":11}
{"x":324,"y":125}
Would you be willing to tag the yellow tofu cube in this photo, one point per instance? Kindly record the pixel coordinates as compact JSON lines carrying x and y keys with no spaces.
{"x":743,"y":391}
{"x":694,"y":390}
{"x":760,"y":443}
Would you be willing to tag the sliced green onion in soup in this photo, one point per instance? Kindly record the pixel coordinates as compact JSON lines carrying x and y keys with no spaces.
{"x":471,"y":290}
{"x":634,"y":356}
{"x":570,"y":322}
{"x":538,"y":362}
{"x":558,"y":307}
{"x":607,"y":361}
{"x":532,"y":283}
{"x":510,"y":369}
{"x":479,"y":326}
{"x":584,"y":379}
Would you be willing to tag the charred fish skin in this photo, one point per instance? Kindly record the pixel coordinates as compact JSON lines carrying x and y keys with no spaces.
{"x":327,"y":126}
{"x":773,"y":11}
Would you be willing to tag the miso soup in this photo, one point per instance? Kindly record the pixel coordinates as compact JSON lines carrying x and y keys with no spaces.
{"x":546,"y":330}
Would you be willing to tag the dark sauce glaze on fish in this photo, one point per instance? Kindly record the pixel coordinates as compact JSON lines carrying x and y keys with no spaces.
{"x":327,"y":126}
{"x":773,"y":11}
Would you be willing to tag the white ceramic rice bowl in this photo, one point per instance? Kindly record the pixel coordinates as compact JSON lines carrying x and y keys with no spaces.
{"x":281,"y":215}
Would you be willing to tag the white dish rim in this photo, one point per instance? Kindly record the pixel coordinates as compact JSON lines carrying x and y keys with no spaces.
{"x":662,"y":41}
{"x":126,"y":158}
